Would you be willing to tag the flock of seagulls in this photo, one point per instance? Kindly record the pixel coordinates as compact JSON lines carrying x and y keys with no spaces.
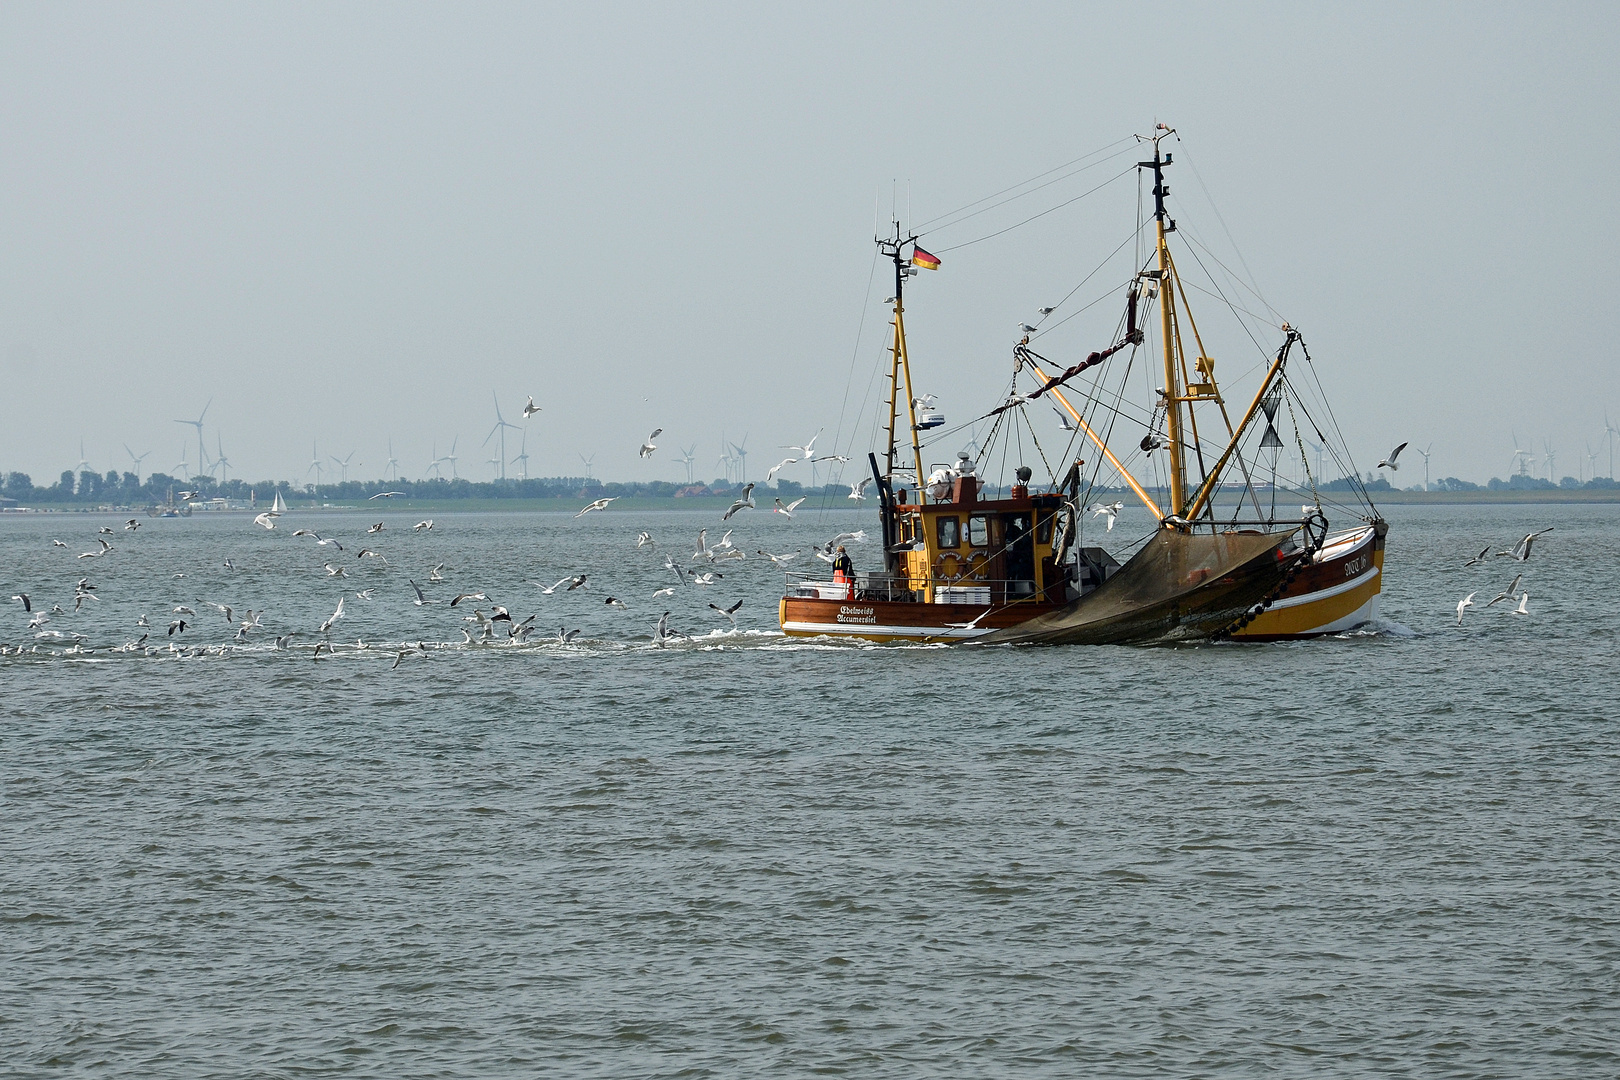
{"x":1519,"y":552}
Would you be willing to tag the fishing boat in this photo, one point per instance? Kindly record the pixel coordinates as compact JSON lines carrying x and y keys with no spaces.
{"x":963,"y":560}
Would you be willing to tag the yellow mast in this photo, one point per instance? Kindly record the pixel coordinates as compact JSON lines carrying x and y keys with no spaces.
{"x":900,"y":361}
{"x":1167,"y":318}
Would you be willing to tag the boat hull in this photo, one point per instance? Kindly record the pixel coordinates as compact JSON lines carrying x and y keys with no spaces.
{"x":1338,"y":591}
{"x":891,"y":620}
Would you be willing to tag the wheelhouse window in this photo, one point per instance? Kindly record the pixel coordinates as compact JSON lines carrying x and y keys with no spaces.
{"x":979,"y":531}
{"x":1043,"y":528}
{"x":949,"y":532}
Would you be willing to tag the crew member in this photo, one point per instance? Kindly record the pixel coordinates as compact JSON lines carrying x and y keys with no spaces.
{"x":844,"y":571}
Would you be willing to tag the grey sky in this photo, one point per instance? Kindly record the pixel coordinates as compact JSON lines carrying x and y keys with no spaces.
{"x":347,"y":223}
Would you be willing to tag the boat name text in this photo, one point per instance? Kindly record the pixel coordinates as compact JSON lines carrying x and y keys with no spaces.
{"x":848,"y":614}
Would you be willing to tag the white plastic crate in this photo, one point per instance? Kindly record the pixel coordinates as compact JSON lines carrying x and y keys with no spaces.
{"x":961,"y":594}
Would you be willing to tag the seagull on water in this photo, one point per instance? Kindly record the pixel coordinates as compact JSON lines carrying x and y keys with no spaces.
{"x":599,"y":504}
{"x":1390,"y":463}
{"x":564,"y":636}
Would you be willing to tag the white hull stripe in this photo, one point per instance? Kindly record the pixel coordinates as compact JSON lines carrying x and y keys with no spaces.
{"x":1323,"y":594}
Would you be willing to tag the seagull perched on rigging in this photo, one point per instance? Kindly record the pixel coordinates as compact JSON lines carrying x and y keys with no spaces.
{"x":599,"y":504}
{"x":649,"y":446}
{"x":746,"y":502}
{"x":1520,"y":552}
{"x":1463,"y":604}
{"x":1390,"y":462}
{"x":530,"y":409}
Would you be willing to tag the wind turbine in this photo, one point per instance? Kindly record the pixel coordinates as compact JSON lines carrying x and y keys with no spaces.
{"x":222,"y":461}
{"x":522,"y":460}
{"x":184,"y":467}
{"x":741,"y":450}
{"x":315,"y":464}
{"x":1425,"y":453}
{"x":136,"y":460}
{"x":343,"y":463}
{"x":451,"y":458}
{"x":197,"y":423}
{"x":589,"y":462}
{"x":1552,"y":473}
{"x":433,"y":466}
{"x":1521,"y":456}
{"x":688,"y":456}
{"x":1610,"y":430}
{"x":393,"y":465}
{"x":83,"y":464}
{"x":500,"y":425}
{"x":1591,"y":462}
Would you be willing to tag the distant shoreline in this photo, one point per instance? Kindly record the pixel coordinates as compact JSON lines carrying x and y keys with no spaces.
{"x":706,"y":504}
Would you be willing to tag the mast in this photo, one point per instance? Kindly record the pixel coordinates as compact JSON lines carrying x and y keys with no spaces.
{"x":900,"y":360}
{"x":1174,"y":397}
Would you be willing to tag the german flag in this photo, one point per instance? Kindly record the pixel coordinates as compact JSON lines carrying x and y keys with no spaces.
{"x":921,"y":258}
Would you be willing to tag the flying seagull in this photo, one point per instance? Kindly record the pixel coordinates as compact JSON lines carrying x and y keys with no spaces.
{"x":1389,"y":462}
{"x":1520,"y":552}
{"x":729,"y":612}
{"x":1479,"y":559}
{"x":1522,"y":609}
{"x":385,"y":495}
{"x":1110,"y":509}
{"x":1465,"y":602}
{"x":420,"y":600}
{"x":747,"y":501}
{"x":649,"y":446}
{"x":530,"y":409}
{"x":599,"y":504}
{"x":787,"y":510}
{"x":421,"y":526}
{"x":1507,"y":593}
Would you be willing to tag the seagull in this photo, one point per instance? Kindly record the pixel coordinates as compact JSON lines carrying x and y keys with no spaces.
{"x":1507,"y":593}
{"x":334,"y":571}
{"x":730,"y":612}
{"x":468,"y":596}
{"x":336,"y":615}
{"x":661,"y":632}
{"x":780,"y":560}
{"x":1063,"y":418}
{"x":577,"y":583}
{"x":420,"y":600}
{"x":434,"y":577}
{"x":307,"y":532}
{"x":1390,"y":462}
{"x":375,"y":529}
{"x":840,"y":458}
{"x":649,"y":446}
{"x":858,"y":491}
{"x":385,"y":495}
{"x":323,"y":541}
{"x":1047,"y":310}
{"x":187,"y":496}
{"x":614,"y":601}
{"x":363,"y":594}
{"x":1521,"y":550}
{"x":401,"y":655}
{"x":530,"y":409}
{"x":644,"y":539}
{"x":132,"y":524}
{"x":552,"y":589}
{"x":747,"y":501}
{"x":774,"y":469}
{"x":707,"y":578}
{"x":808,"y":450}
{"x":367,"y":553}
{"x":229,"y":565}
{"x":28,"y":605}
{"x":1111,"y":509}
{"x":319,"y":645}
{"x":1522,"y":609}
{"x":665,"y":591}
{"x":702,"y":551}
{"x":105,"y":531}
{"x":1024,"y":327}
{"x":599,"y":504}
{"x":787,"y":510}
{"x":1465,"y":602}
{"x":565,"y":636}
{"x":267,"y":519}
{"x":499,"y":613}
{"x":1480,"y":558}
{"x":725,"y":541}
{"x":183,"y":610}
{"x":177,"y":625}
{"x":971,"y":624}
{"x":422,"y":525}
{"x":142,"y":621}
{"x":57,"y":543}
{"x":284,"y":640}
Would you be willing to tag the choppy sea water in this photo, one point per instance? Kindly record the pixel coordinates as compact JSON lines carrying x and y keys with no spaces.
{"x":1392,"y":852}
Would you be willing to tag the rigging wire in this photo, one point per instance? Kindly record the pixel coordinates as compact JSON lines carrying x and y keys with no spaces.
{"x":849,"y":380}
{"x":1033,"y":217}
{"x":932,"y":221}
{"x":1013,"y":198}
